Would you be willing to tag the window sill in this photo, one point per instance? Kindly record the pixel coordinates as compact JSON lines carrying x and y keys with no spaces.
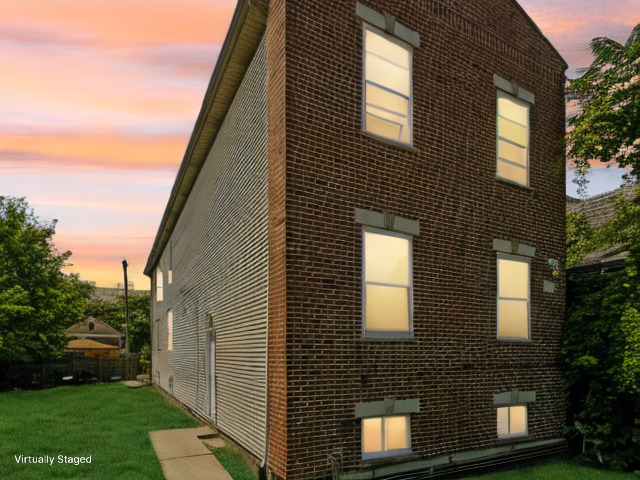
{"x":388,"y":336}
{"x":516,"y":340}
{"x":515,"y":184}
{"x":404,"y":146}
{"x":399,"y":456}
{"x":513,"y":438}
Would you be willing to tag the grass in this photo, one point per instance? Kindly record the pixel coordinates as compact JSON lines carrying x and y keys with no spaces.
{"x":560,"y":470}
{"x":234,"y":464}
{"x":109,"y":422}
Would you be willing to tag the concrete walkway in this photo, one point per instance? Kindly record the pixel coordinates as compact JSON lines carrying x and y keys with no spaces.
{"x":183,"y":456}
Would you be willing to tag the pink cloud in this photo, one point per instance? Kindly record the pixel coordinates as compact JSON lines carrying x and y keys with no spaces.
{"x":125,"y":21}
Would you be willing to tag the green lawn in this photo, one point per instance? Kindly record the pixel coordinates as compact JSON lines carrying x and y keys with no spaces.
{"x":560,"y":470}
{"x":109,"y":422}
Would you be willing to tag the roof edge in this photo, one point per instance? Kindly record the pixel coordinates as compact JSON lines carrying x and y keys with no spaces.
{"x":242,"y":40}
{"x":535,"y":26}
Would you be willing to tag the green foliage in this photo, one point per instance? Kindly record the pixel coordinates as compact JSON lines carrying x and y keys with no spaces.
{"x":145,"y":359}
{"x":600,"y":355}
{"x":37,"y":301}
{"x":607,"y":128}
{"x":579,"y":238}
{"x":601,"y":344}
{"x":113,"y":313}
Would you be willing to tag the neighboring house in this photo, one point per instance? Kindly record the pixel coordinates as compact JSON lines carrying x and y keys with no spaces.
{"x":597,"y":211}
{"x":111,"y":294}
{"x":92,"y":349}
{"x":96,"y":330}
{"x":353,"y":275}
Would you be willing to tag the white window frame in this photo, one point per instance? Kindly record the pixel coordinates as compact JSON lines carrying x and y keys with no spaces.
{"x":386,"y":453}
{"x":509,"y":435}
{"x":513,"y":258}
{"x":387,"y":334}
{"x":169,"y":330}
{"x":517,"y":101}
{"x":159,"y":285}
{"x":407,"y":47}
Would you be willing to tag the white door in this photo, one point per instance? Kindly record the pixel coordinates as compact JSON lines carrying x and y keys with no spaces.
{"x":211,"y":377}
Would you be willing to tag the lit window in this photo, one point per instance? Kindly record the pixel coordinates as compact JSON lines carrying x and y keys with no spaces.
{"x":387,"y":86}
{"x":386,"y":436}
{"x":387,"y":292}
{"x":513,"y":139}
{"x":512,"y":421}
{"x":158,"y":335}
{"x":513,"y":297}
{"x":158,"y":285}
{"x":169,"y":330}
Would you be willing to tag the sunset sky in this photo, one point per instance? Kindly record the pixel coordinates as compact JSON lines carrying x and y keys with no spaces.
{"x":98,"y":99}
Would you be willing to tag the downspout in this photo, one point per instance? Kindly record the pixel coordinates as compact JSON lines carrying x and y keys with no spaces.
{"x":262,"y":472}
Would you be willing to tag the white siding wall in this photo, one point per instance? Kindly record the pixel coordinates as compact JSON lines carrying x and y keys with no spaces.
{"x":218,"y":256}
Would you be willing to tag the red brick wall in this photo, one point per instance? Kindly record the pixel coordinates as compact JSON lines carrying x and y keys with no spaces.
{"x":454,"y":365}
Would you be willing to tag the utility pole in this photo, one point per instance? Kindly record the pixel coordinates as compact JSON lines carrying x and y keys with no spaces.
{"x":126,"y":307}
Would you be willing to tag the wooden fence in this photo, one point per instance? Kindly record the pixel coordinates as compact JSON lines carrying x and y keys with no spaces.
{"x":71,"y":369}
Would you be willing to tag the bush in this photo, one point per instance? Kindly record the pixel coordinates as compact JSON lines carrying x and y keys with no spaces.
{"x":600,"y":353}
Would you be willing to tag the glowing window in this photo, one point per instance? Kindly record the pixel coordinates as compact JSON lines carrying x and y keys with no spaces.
{"x":169,"y":330}
{"x":513,"y":297}
{"x":513,"y":139}
{"x":387,"y":86}
{"x":158,"y":285}
{"x":387,"y":292}
{"x":512,"y":421}
{"x":386,"y":436}
{"x":158,"y":335}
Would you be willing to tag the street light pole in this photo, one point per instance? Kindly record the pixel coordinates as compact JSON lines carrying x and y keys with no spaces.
{"x":126,"y":307}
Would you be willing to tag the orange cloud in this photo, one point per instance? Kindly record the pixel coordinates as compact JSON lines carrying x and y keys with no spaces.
{"x":108,"y":150}
{"x":126,"y":21}
{"x":100,"y":259}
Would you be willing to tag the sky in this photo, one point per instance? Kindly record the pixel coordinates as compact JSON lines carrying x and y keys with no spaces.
{"x":98,"y":99}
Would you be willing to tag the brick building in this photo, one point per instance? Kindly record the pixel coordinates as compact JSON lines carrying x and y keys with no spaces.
{"x":357,"y":270}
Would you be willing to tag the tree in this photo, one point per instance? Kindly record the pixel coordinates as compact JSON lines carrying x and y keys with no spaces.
{"x":579,"y":238}
{"x":608,"y":127}
{"x":37,"y":301}
{"x":601,"y":345}
{"x":113,"y":313}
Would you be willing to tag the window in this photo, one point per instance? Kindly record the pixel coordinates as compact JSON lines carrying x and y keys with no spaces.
{"x":387,"y":285}
{"x":387,"y":86}
{"x":512,"y":421}
{"x":513,"y":139}
{"x":158,"y":285}
{"x":513,"y":297}
{"x":158,"y":335}
{"x":169,"y":330}
{"x":386,"y":436}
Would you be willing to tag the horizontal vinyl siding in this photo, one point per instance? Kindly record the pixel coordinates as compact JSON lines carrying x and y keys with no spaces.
{"x":219,"y":258}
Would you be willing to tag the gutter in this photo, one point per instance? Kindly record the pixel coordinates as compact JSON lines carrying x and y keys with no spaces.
{"x":246,"y":30}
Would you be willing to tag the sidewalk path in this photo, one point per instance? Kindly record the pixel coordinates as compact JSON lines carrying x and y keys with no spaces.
{"x":183,"y":456}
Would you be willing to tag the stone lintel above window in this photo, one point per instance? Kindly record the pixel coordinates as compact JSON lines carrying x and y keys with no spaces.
{"x":389,"y":406}
{"x":388,"y":23}
{"x":514,"y":247}
{"x":514,"y":89}
{"x":515,"y":397}
{"x":388,"y":221}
